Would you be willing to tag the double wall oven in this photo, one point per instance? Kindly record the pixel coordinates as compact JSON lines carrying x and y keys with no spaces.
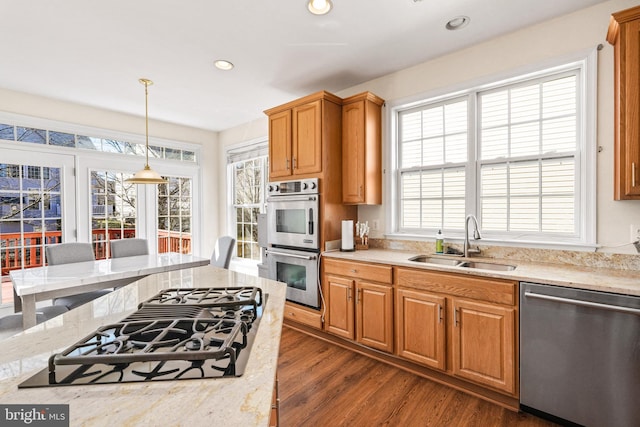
{"x":294,"y":239}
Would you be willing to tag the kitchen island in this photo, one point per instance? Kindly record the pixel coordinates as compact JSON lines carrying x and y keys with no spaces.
{"x":244,"y":400}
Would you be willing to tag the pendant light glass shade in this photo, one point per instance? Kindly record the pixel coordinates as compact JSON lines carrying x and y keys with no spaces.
{"x":146,"y":175}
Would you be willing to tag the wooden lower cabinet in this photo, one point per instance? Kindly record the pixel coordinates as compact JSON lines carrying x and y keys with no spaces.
{"x":463,"y":325}
{"x":374,"y":317}
{"x":420,"y":327}
{"x":274,"y":417}
{"x":340,"y":316}
{"x":300,"y":314}
{"x":484,"y":344}
{"x":460,"y":328}
{"x":359,"y":310}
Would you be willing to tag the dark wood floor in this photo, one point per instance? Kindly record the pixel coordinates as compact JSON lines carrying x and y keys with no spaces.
{"x":321,"y":384}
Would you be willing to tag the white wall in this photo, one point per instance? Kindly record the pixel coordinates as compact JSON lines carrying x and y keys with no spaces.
{"x":545,"y":42}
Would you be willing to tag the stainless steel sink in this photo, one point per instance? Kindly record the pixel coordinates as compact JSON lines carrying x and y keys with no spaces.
{"x":436,"y":260}
{"x":487,"y":266}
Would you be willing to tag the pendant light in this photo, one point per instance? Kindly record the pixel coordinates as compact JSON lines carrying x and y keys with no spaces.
{"x":146,"y":175}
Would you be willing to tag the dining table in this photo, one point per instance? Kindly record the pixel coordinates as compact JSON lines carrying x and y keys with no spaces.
{"x":55,"y":281}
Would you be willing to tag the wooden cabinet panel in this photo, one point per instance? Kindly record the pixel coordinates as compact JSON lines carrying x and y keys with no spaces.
{"x":420,"y":327}
{"x":484,"y":344}
{"x":362,"y":149}
{"x":353,"y":152}
{"x":280,"y":144}
{"x":340,"y":313}
{"x":304,"y":315}
{"x":359,"y":309}
{"x":374,"y":324}
{"x":624,"y":35}
{"x":375,"y":272}
{"x":307,"y":138}
{"x":493,"y":290}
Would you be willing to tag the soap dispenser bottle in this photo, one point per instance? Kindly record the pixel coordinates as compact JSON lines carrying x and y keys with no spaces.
{"x":439,"y":242}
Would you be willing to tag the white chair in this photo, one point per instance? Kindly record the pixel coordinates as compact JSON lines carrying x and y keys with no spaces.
{"x":222,"y":252}
{"x":129,"y":247}
{"x":68,"y":253}
{"x":12,"y":324}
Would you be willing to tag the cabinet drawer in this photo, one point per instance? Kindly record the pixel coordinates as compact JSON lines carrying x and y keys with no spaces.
{"x":357,"y":270}
{"x":492,"y":290}
{"x":302,"y":315}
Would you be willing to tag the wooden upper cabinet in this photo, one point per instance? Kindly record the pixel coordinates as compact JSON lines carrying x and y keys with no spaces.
{"x":280,"y":144}
{"x":304,"y":136}
{"x":307,"y":138}
{"x":624,"y":35}
{"x":362,"y":149}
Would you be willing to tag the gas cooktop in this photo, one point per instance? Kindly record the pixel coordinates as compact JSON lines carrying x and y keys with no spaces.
{"x":177,"y":334}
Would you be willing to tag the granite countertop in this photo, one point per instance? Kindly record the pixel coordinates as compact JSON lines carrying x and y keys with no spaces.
{"x":598,"y":279}
{"x":212,"y":402}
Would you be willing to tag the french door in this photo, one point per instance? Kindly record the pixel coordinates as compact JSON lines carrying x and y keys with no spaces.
{"x":37,"y":208}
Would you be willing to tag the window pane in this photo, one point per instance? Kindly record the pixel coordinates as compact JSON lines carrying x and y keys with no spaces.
{"x":89,"y":143}
{"x":62,"y":139}
{"x":114,"y":209}
{"x":174,"y":215}
{"x":30,"y":214}
{"x":6,"y":132}
{"x":38,"y":136}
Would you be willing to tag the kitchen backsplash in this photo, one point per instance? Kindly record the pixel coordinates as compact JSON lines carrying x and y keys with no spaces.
{"x":579,"y":258}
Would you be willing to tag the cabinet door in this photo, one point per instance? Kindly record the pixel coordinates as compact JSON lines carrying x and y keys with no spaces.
{"x":484,"y":344}
{"x":420,"y":327}
{"x":340,"y":316}
{"x":280,"y":144}
{"x":374,"y":321}
{"x":353,"y":152}
{"x":629,"y":121}
{"x":307,"y":138}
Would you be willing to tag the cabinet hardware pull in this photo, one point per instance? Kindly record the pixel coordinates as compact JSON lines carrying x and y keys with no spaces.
{"x":349,"y":294}
{"x":358,"y":296}
{"x":295,"y":163}
{"x":439,"y":313}
{"x":353,"y":270}
{"x":455,"y":317}
{"x":633,"y":174}
{"x":287,"y":164}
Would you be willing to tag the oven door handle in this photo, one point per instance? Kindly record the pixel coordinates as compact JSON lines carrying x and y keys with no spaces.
{"x":309,"y":257}
{"x":292,"y":199}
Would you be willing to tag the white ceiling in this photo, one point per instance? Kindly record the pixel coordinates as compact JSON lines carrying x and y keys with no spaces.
{"x":93,"y":53}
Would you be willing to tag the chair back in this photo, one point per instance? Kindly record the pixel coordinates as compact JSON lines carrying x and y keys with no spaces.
{"x":222,"y":252}
{"x":129,"y":247}
{"x":67,"y":253}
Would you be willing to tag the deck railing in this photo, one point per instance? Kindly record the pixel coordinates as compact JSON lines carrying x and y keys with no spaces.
{"x":27,"y":248}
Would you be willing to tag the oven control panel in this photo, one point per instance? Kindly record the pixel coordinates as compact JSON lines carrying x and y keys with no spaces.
{"x":303,"y":186}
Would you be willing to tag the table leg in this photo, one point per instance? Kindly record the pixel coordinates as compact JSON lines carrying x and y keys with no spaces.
{"x":28,"y":311}
{"x":17,"y":302}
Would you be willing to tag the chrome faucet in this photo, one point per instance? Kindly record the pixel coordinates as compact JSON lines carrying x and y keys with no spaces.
{"x":476,"y":236}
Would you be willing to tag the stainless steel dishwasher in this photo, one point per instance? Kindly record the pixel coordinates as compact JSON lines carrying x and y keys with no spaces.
{"x":580,"y":355}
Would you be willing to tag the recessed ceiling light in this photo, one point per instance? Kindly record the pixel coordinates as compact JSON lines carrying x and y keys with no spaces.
{"x":224,"y":65}
{"x":319,"y":7}
{"x":457,"y":23}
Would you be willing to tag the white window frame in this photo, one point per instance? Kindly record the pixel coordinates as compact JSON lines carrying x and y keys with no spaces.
{"x":585,"y":155}
{"x":254,"y":148}
{"x":86,"y":160}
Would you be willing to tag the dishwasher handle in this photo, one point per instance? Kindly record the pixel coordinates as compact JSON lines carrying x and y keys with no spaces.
{"x":583,"y":303}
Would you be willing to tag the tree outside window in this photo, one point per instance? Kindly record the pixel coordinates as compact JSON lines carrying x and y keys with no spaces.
{"x":249,"y":180}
